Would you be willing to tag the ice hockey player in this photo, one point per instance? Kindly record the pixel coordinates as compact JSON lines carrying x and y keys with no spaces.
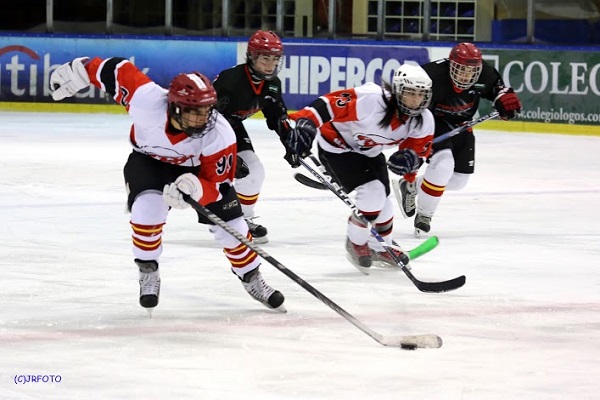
{"x":242,"y":91}
{"x":180,"y":144}
{"x":355,"y":126}
{"x":459,"y":83}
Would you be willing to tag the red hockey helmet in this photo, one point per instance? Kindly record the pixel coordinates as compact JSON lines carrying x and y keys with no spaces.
{"x":192,"y":99}
{"x":466,"y":63}
{"x":268,"y":45}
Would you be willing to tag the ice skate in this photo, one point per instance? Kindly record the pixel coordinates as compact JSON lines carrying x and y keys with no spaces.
{"x":256,"y":287}
{"x":359,"y":256}
{"x":149,"y":284}
{"x":422,"y":225}
{"x":406,"y":194}
{"x":383,"y":259}
{"x":258,"y":232}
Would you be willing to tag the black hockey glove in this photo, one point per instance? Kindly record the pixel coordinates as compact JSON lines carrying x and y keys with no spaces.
{"x":283,"y":129}
{"x":404,"y":161}
{"x":241,"y":168}
{"x":300,"y":139}
{"x":292,"y":159}
{"x":507,"y":103}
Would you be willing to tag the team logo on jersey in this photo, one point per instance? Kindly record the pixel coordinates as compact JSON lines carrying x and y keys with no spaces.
{"x":365,"y":142}
{"x":159,"y":153}
{"x":343,"y":99}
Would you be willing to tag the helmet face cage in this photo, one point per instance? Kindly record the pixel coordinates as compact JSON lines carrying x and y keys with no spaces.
{"x":268,"y":45}
{"x":183,"y":116}
{"x":413,"y":89}
{"x":191,"y":95}
{"x":466,"y":63}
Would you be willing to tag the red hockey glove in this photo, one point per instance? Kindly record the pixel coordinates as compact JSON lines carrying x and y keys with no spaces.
{"x":507,"y":104}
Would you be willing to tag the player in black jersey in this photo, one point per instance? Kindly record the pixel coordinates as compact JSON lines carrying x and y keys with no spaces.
{"x":242,"y":91}
{"x":459,"y":83}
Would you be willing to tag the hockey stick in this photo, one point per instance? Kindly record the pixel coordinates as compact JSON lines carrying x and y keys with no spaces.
{"x":395,"y":181}
{"x":306,"y":181}
{"x":405,"y":342}
{"x":461,"y":128}
{"x":431,"y":287}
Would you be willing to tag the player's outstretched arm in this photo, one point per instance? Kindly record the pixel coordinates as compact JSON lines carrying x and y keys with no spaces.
{"x":69,"y":78}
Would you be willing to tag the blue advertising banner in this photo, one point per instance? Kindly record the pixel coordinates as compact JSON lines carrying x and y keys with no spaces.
{"x":313,"y":69}
{"x":27,"y":62}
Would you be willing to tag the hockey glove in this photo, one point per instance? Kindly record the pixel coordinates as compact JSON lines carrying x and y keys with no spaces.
{"x":507,"y":103}
{"x":292,"y":159}
{"x":187,"y":183}
{"x":300,"y":139}
{"x":404,"y":161}
{"x":69,"y":78}
{"x":241,"y":168}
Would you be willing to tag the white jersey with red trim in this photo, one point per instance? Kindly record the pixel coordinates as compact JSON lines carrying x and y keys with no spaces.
{"x":349,"y":121}
{"x":151,"y":133}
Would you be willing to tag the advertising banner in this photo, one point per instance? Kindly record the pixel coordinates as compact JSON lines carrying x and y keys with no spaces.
{"x":554,"y":86}
{"x":311,"y":70}
{"x":27,"y":62}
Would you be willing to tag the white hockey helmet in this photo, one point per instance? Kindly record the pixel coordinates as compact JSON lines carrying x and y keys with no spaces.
{"x":413,"y":89}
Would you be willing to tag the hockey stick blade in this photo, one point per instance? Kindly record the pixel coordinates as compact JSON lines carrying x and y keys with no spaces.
{"x":438,"y":287}
{"x":306,"y":181}
{"x":416,"y":341}
{"x":429,"y":287}
{"x":406,"y":342}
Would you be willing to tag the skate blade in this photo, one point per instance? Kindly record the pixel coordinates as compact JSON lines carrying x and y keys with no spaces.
{"x":388,"y":266}
{"x":363,"y":270}
{"x":280,"y":309}
{"x":419,"y":233}
{"x":261,"y":240}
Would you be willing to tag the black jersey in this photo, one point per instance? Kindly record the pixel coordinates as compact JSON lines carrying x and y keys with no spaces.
{"x":239,"y":98}
{"x":451,"y":108}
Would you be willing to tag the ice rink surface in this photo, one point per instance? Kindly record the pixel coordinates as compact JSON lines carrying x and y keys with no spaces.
{"x":525,"y":232}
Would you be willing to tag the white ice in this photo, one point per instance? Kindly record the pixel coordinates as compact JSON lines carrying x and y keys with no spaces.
{"x":525,"y":232}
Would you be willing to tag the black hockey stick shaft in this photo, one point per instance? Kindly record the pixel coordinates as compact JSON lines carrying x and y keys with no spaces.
{"x":307,"y":181}
{"x":430,"y":287}
{"x":424,"y":340}
{"x":461,"y":128}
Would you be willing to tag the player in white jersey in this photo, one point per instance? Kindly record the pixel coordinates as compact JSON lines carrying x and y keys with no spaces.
{"x":355,"y":126}
{"x":180,"y":144}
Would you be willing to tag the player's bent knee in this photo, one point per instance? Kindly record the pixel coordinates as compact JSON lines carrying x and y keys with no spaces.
{"x":457,"y":181}
{"x":442,"y":160}
{"x":256,"y":168}
{"x":149,"y":208}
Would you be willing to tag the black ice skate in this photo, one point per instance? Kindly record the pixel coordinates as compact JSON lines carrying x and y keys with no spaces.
{"x":408,"y":191}
{"x":422,"y":225}
{"x":149,"y":283}
{"x":359,"y":256}
{"x":258,"y":232}
{"x":256,"y":287}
